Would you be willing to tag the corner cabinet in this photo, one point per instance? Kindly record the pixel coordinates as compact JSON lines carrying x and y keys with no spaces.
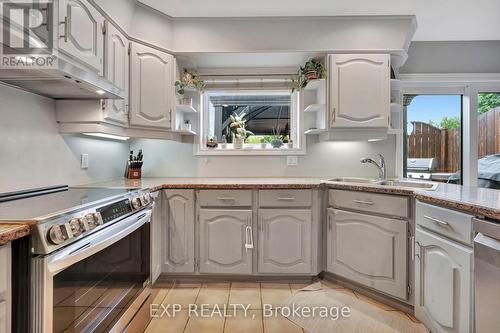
{"x":80,"y":37}
{"x":368,"y":249}
{"x":285,"y":241}
{"x":443,"y":283}
{"x":117,"y":72}
{"x":152,"y":96}
{"x":178,"y":252}
{"x":359,"y":86}
{"x":226,"y":241}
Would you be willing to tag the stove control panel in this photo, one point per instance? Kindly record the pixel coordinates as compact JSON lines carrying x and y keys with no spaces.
{"x":67,"y":229}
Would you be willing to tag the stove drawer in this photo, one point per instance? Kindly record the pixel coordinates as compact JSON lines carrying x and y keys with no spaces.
{"x":390,"y":205}
{"x":446,"y":222}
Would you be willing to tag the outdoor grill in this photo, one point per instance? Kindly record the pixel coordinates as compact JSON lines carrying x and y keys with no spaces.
{"x":421,"y":168}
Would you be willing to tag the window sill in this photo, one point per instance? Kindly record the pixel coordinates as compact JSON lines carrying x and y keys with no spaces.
{"x":248,"y":150}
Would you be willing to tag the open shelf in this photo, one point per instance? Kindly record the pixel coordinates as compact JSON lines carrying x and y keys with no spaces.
{"x":185,"y":108}
{"x":394,"y":131}
{"x":315,"y":131}
{"x":396,"y":85}
{"x":185,"y":132}
{"x":397,"y":108}
{"x":316,"y":84}
{"x":315,"y":108}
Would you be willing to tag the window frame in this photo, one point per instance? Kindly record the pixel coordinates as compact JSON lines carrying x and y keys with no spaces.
{"x":469,"y":86}
{"x":296,"y":121}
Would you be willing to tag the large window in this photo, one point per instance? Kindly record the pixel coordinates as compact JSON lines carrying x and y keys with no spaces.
{"x":488,"y":130}
{"x":433,"y":137}
{"x":269,"y":115}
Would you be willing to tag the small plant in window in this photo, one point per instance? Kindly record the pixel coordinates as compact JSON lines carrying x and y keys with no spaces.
{"x":189,"y":80}
{"x":287,"y":141}
{"x":223,"y":144}
{"x":263,"y":143}
{"x":238,"y":128}
{"x":212,"y":142}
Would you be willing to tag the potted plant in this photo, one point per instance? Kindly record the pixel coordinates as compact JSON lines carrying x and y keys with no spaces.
{"x":286,"y":140}
{"x":188,"y":80}
{"x":313,"y":69}
{"x":223,"y":144}
{"x":263,"y":143}
{"x":238,"y":127}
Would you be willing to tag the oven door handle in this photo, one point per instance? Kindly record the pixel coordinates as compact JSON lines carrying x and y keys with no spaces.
{"x":96,"y":242}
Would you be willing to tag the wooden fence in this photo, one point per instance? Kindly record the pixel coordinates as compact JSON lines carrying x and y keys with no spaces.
{"x":429,"y":141}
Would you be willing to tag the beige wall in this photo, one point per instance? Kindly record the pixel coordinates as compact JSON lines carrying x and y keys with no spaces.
{"x":34,"y":154}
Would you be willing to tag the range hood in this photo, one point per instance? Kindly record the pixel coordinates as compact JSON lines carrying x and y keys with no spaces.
{"x":66,"y":81}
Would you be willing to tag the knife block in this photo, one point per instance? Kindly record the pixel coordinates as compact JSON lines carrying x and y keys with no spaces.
{"x":132,"y":173}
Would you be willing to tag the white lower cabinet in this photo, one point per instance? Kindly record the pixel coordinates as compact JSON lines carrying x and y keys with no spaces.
{"x":285,"y":241}
{"x":370,"y":250}
{"x":224,"y":237}
{"x":178,"y":254}
{"x":443,"y":283}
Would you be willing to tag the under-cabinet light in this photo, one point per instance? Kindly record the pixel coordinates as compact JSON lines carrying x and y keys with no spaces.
{"x":108,"y":136}
{"x":100,"y":92}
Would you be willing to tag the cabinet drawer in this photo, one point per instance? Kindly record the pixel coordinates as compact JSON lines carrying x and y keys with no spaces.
{"x":225,"y":198}
{"x":447,"y":222}
{"x":370,"y":202}
{"x":285,"y":198}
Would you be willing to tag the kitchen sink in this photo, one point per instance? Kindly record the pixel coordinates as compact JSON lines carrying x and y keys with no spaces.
{"x":408,"y":184}
{"x":353,"y":180}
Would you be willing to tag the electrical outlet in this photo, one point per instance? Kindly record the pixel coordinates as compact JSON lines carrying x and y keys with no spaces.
{"x":292,"y":160}
{"x":85,"y":161}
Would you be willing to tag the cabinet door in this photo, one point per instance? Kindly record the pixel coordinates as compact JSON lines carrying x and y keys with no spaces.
{"x":223,"y":235}
{"x":370,"y":250}
{"x":81,"y":36}
{"x":443,"y":285}
{"x":179,"y":244}
{"x":117,"y":72}
{"x":151,"y":87}
{"x":360,"y":90}
{"x":285,"y":241}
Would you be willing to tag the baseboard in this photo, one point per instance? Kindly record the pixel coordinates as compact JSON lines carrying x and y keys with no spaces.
{"x":166,"y":277}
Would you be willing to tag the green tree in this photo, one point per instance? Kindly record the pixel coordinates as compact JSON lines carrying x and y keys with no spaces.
{"x":447,"y":123}
{"x":487,"y":101}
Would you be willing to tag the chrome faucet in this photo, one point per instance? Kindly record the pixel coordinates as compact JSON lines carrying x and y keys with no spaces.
{"x":380,"y":165}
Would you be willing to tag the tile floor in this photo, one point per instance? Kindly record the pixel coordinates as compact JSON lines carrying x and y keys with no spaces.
{"x":254,"y":294}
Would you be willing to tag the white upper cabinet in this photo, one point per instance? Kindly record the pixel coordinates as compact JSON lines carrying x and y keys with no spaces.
{"x":117,"y":72}
{"x":443,"y":283}
{"x":359,"y":90}
{"x":151,"y":88}
{"x":81,"y":33}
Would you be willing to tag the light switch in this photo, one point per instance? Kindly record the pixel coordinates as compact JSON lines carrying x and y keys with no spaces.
{"x":85,"y":161}
{"x":292,"y":160}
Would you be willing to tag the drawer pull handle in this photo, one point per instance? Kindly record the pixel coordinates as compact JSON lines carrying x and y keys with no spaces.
{"x":364,"y":202}
{"x":286,"y":199}
{"x":226,"y":198}
{"x":443,"y":223}
{"x":249,"y":238}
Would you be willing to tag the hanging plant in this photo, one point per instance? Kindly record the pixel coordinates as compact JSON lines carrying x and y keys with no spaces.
{"x":189,"y":80}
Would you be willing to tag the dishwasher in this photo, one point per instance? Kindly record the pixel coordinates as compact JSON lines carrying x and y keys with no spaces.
{"x":487,"y":275}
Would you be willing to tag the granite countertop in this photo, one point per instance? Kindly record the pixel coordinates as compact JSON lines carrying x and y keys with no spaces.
{"x":12,"y":231}
{"x":212,"y":183}
{"x":477,"y":201}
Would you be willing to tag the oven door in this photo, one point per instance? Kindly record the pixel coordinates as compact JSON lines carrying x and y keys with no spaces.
{"x":90,"y":285}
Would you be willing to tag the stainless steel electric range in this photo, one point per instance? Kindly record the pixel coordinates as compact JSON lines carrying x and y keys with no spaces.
{"x":90,"y":255}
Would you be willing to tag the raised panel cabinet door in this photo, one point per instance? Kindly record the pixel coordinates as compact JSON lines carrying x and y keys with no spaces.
{"x":178,"y":252}
{"x":285,"y":241}
{"x":360,"y":90}
{"x":443,"y":283}
{"x":117,"y":71}
{"x":368,"y":249}
{"x":151,"y":87}
{"x":81,"y":33}
{"x":223,"y":236}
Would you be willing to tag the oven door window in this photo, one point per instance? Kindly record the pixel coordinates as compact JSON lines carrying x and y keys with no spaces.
{"x":92,"y":295}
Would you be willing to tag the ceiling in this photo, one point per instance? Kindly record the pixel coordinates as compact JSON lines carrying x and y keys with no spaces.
{"x":437,"y":19}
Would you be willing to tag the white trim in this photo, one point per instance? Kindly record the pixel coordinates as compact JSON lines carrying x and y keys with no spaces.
{"x":469,"y":85}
